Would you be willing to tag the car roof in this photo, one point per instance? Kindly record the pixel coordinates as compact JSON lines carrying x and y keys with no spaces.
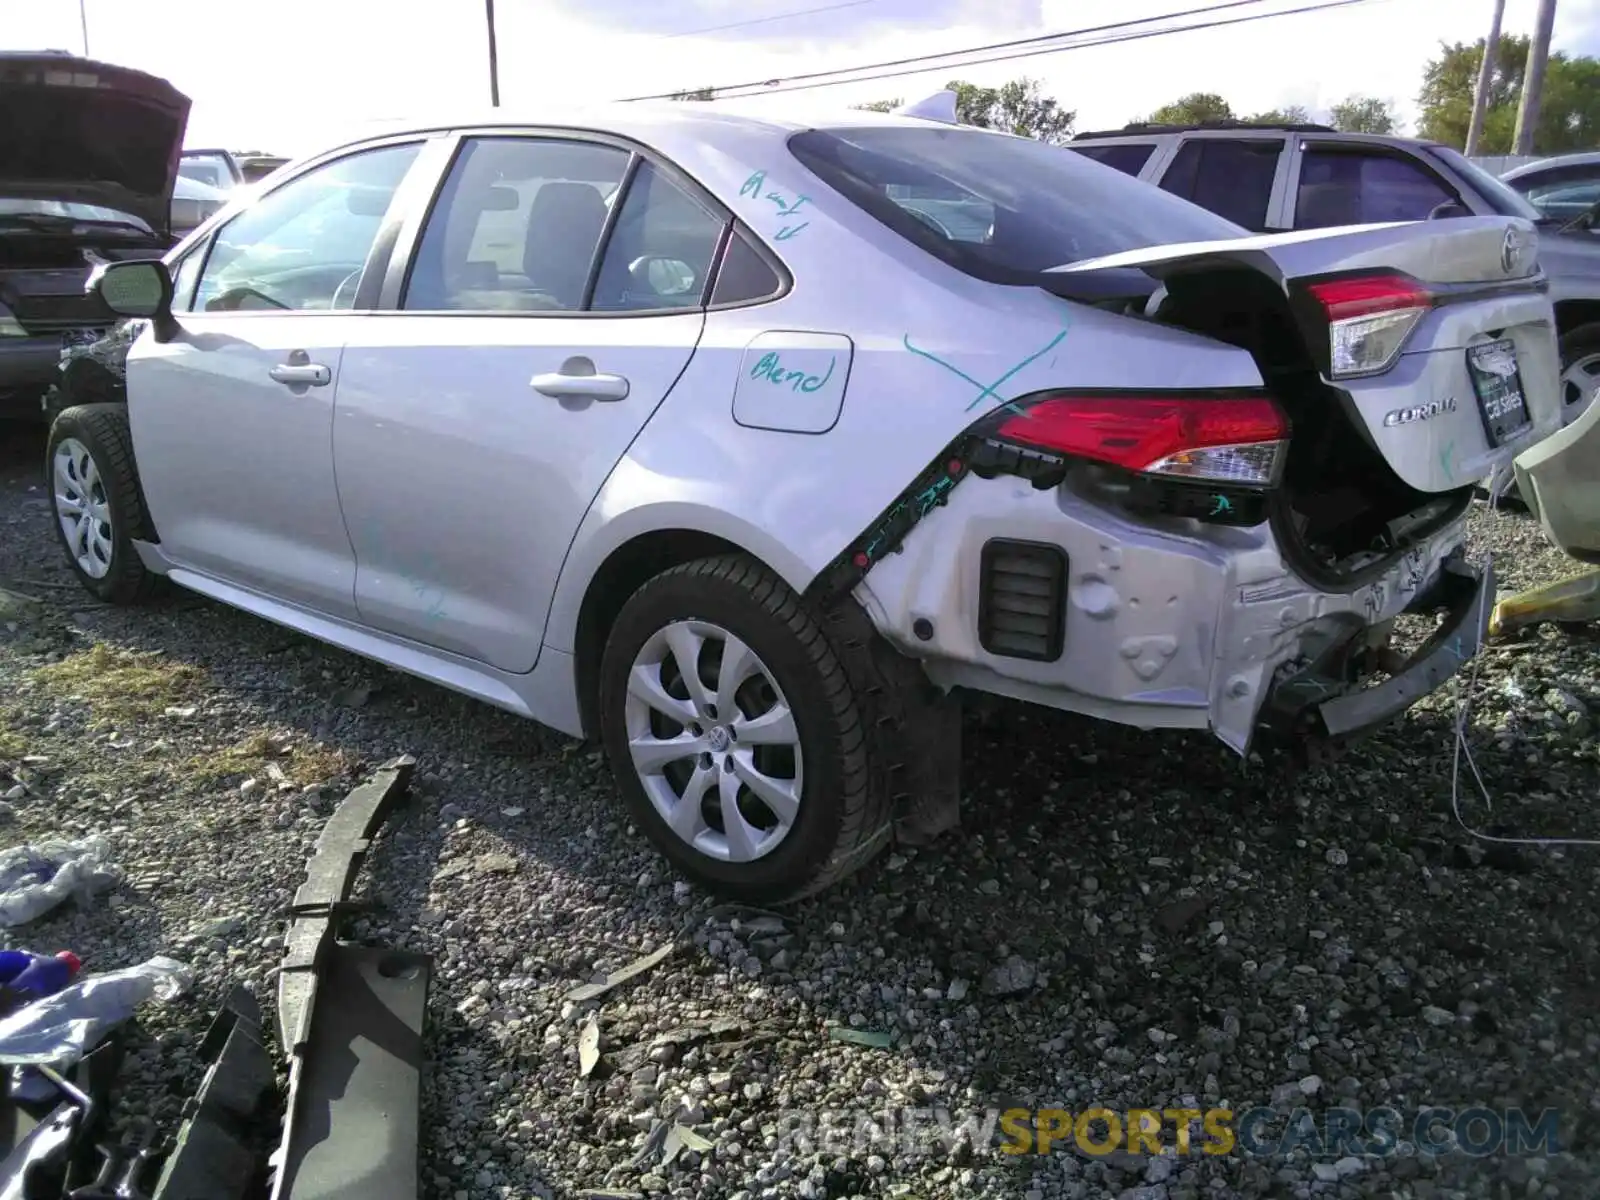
{"x":1586,"y":159}
{"x":1320,"y":133}
{"x":639,"y":119}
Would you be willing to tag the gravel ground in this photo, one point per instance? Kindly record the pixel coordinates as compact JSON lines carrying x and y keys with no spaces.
{"x":1129,"y":919}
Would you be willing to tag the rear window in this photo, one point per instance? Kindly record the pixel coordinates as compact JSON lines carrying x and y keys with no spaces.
{"x":1000,"y":208}
{"x":1127,"y":157}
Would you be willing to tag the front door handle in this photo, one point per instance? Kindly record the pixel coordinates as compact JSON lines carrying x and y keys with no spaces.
{"x":578,"y":380}
{"x":307,"y":374}
{"x":300,"y":371}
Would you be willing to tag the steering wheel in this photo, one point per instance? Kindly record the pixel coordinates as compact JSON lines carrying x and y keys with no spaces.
{"x":350,"y":281}
{"x":1447,"y":210}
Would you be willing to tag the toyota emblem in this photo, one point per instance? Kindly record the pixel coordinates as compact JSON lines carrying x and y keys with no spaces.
{"x":1510,"y":251}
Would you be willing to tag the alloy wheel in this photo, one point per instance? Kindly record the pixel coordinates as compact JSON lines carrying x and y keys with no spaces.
{"x":714,"y":741}
{"x":1579,"y":382}
{"x":82,"y":507}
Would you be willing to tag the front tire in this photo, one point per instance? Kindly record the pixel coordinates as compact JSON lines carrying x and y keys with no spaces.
{"x":96,"y":503}
{"x":735,"y":736}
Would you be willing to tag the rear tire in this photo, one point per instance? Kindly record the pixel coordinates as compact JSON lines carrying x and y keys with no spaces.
{"x":752,"y":806}
{"x":96,"y":503}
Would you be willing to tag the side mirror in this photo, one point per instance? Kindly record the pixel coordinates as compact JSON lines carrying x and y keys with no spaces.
{"x":140,"y":288}
{"x":663,"y":276}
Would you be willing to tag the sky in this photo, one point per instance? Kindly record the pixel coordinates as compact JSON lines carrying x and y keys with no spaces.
{"x":280,"y":76}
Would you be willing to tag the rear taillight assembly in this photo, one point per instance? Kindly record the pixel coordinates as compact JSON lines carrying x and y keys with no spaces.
{"x":1368,"y":318}
{"x":1229,"y":439}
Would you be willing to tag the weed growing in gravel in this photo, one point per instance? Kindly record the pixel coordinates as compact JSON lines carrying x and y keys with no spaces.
{"x":12,"y":744}
{"x":273,"y":756}
{"x":119,"y":685}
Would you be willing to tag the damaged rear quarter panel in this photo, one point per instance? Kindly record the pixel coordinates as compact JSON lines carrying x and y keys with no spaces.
{"x":933,"y":351}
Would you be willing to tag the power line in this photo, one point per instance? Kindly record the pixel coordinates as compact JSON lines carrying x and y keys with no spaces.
{"x":1027,"y":41}
{"x":1107,"y":41}
{"x":804,"y":12}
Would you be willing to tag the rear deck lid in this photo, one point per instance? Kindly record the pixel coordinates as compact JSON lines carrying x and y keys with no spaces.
{"x":89,"y":132}
{"x":1438,"y":331}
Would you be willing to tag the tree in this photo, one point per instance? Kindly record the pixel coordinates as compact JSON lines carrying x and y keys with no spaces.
{"x":1289,"y":114}
{"x":695,"y":94}
{"x":1016,"y":107}
{"x":1193,"y":109}
{"x":1569,"y":113}
{"x":1365,"y":114}
{"x":879,"y":106}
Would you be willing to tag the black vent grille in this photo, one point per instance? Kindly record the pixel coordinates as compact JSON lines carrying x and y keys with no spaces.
{"x":1022,"y":598}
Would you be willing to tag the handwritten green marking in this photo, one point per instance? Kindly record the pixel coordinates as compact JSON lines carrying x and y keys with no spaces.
{"x":1223,"y":505}
{"x":752,"y":186}
{"x":1447,"y":454}
{"x":987,"y":391}
{"x":771,"y":368}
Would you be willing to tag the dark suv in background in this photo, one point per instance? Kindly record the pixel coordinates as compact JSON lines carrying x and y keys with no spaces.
{"x":88,"y":160}
{"x":1272,"y":178}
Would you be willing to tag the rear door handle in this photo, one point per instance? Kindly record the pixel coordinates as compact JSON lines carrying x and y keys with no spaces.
{"x":305,"y":374}
{"x":578,"y":380}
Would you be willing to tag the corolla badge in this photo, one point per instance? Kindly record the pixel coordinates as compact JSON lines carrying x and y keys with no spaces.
{"x":1419,"y":412}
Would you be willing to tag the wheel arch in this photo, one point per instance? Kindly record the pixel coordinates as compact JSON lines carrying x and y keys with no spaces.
{"x":1570,"y":314}
{"x":583,"y":615}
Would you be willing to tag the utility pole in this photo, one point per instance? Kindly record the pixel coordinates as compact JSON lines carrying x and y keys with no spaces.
{"x":1533,"y":77}
{"x":83,"y":20}
{"x":494,"y":57}
{"x":1480,"y":98}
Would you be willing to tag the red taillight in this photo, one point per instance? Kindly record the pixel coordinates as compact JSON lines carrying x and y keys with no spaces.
{"x":1369,"y":319}
{"x":1239,"y":440}
{"x":1365,"y":295}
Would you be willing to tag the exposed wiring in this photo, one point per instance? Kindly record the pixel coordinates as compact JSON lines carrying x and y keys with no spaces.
{"x":803,"y":12}
{"x":1463,"y":749}
{"x":793,"y":83}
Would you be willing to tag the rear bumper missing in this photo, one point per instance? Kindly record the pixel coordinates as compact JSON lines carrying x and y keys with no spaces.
{"x":1319,"y":700}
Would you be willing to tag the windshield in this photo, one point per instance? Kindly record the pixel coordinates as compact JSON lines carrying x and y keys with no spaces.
{"x":1501,"y":197}
{"x":1001,"y":208}
{"x":69,"y":210}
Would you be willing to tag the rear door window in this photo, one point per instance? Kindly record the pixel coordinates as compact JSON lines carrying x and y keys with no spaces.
{"x":1000,"y":208}
{"x":1129,"y":159}
{"x":1357,"y":187}
{"x":1232,"y":178}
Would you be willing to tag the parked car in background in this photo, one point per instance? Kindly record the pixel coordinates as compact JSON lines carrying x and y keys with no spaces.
{"x":256,"y":167}
{"x":1563,"y":188}
{"x":1285,"y":177}
{"x":684,"y":428}
{"x":193,"y":203}
{"x":88,"y":159}
{"x":214,"y":168}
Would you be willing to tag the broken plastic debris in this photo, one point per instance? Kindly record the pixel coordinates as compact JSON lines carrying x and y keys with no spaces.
{"x":588,"y":1048}
{"x":59,"y":1029}
{"x":680,"y":1138}
{"x":36,"y":878}
{"x":861,"y":1037}
{"x":593,"y":991}
{"x":1573,"y":599}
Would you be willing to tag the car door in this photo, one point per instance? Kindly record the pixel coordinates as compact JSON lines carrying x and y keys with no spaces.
{"x":1238,"y":178}
{"x":554,"y":296}
{"x":232,"y":419}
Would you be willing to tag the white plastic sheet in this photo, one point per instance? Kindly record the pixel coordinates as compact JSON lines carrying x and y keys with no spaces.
{"x":37,"y":878}
{"x":59,"y":1029}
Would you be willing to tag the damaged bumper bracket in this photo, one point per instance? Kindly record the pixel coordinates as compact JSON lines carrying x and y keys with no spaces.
{"x":1339,"y":714}
{"x":350,"y":1020}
